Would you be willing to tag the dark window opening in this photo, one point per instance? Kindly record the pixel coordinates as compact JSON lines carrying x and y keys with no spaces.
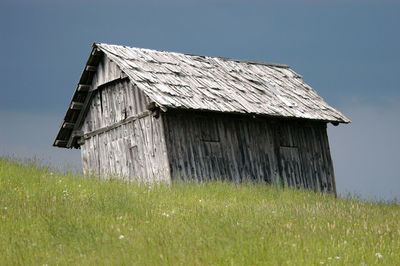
{"x":208,"y":129}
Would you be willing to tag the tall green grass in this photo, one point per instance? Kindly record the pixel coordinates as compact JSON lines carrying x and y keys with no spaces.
{"x":48,"y":217}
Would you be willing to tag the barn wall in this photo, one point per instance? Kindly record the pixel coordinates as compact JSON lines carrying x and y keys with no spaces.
{"x":115,"y":98}
{"x":135,"y":150}
{"x":213,"y":145}
{"x":120,"y":136}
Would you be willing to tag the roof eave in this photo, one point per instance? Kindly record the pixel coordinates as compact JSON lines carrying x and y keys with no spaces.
{"x":343,"y":120}
{"x":65,"y":137}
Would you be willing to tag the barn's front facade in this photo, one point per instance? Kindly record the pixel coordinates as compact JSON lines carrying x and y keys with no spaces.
{"x":153,"y":115}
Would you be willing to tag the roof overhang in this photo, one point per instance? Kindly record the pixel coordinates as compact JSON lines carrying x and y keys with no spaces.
{"x":69,"y":133}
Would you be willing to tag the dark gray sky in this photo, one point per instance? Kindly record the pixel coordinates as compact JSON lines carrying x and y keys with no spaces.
{"x":348,"y":51}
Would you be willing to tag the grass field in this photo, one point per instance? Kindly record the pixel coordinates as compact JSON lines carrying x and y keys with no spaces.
{"x":47,"y":217}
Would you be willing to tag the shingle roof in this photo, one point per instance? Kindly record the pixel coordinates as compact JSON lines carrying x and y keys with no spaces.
{"x":176,"y":80}
{"x":182,"y":81}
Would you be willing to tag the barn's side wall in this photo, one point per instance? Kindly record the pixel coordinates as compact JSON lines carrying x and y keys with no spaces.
{"x":120,"y":136}
{"x":204,"y":145}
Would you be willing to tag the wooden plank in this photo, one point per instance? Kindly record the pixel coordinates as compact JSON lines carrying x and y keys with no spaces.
{"x":83,"y":87}
{"x":77,"y":133}
{"x":60,"y":143}
{"x":90,"y":68}
{"x":230,"y":150}
{"x":76,"y":105}
{"x":170,"y":148}
{"x":115,"y":125}
{"x":163,"y":151}
{"x":151,"y":106}
{"x":68,"y":125}
{"x":96,"y":52}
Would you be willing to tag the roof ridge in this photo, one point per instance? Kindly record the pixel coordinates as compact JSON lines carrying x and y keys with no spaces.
{"x":255,"y":62}
{"x":246,"y":61}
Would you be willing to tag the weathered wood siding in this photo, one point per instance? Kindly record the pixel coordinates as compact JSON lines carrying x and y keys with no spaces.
{"x":115,"y":98}
{"x":120,"y":136}
{"x":211,"y":145}
{"x":135,"y":150}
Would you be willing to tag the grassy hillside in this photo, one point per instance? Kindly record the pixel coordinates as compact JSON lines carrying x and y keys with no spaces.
{"x":56,"y":218}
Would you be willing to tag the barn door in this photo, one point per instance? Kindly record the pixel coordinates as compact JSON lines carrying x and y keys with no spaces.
{"x":288,"y":154}
{"x":210,"y":147}
{"x":290,"y":166}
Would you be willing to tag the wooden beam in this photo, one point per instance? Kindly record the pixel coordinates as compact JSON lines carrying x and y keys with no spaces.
{"x":82,"y":114}
{"x":80,"y":141}
{"x":76,"y":105}
{"x":91,"y":68}
{"x":68,"y":125}
{"x":77,"y":133}
{"x":59,"y":142}
{"x":83,"y":87}
{"x":151,"y":106}
{"x":120,"y":123}
{"x":96,"y":51}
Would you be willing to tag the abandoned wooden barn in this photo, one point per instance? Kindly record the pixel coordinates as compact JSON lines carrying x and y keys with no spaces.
{"x":155,"y":115}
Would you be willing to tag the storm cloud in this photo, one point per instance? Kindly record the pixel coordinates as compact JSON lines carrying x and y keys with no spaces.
{"x":366,"y":152}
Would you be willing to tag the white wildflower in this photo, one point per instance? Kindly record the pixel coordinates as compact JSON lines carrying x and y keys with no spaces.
{"x":200,"y":200}
{"x":378,"y":255}
{"x":337,"y":257}
{"x":147,"y":222}
{"x":121,"y":237}
{"x":119,"y":218}
{"x":293,"y":245}
{"x":165,"y":214}
{"x":51,"y":173}
{"x":5,"y":208}
{"x":345,"y":242}
{"x":79,"y":185}
{"x":321,"y":262}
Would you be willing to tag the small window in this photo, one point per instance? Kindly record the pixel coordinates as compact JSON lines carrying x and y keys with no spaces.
{"x":208,"y":129}
{"x":286,"y":136}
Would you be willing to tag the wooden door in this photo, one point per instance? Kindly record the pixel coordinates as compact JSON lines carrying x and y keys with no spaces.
{"x":288,"y":154}
{"x":290,"y":166}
